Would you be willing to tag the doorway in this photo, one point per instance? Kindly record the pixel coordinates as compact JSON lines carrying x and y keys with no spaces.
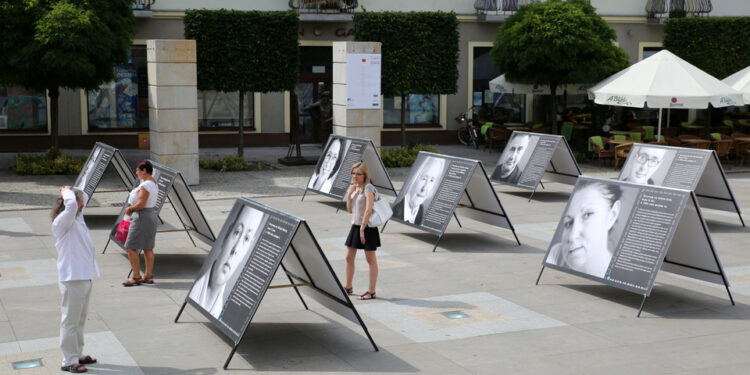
{"x":314,"y":93}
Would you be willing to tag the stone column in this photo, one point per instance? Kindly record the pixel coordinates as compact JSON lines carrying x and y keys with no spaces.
{"x":173,"y":105}
{"x":362,"y":123}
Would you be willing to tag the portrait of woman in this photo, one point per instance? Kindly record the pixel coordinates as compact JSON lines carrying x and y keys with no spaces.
{"x":213,"y":287}
{"x":419,"y":191}
{"x":328,"y":167}
{"x":585,"y":238}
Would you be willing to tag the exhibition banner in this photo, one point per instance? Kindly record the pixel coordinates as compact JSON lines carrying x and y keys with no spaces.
{"x":332,"y":173}
{"x":682,"y":168}
{"x":437,"y":184}
{"x":99,"y":159}
{"x":363,"y":80}
{"x":255,"y":241}
{"x":622,"y":234}
{"x":527,"y":157}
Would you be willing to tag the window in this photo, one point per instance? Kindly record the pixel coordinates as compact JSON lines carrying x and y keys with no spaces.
{"x":22,"y":110}
{"x":494,"y":107}
{"x":422,"y":110}
{"x":122,"y":103}
{"x":221,"y":110}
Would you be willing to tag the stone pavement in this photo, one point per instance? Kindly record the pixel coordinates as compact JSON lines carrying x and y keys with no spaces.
{"x":565,"y":325}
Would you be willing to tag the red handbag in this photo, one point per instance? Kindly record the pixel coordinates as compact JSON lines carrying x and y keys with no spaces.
{"x":122,"y":230}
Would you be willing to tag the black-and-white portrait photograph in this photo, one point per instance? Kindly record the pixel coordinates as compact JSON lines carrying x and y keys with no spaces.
{"x":419,"y":190}
{"x":514,"y":158}
{"x":591,"y":226}
{"x":227,"y":259}
{"x":647,"y":165}
{"x":329,"y":165}
{"x":88,"y":170}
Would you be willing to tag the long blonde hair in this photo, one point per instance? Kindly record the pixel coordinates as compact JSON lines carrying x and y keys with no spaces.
{"x":362,"y":167}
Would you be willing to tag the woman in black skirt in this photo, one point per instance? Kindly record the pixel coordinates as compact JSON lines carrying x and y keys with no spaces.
{"x":359,"y":201}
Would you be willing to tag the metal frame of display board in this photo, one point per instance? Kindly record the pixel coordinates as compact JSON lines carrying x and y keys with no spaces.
{"x":370,"y":156}
{"x":118,"y":162}
{"x":302,"y":268}
{"x":686,"y":252}
{"x":469,"y":204}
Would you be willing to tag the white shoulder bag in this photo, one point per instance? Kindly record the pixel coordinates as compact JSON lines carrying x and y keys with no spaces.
{"x":381,"y":211}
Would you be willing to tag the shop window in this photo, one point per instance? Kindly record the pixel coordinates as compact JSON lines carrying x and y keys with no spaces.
{"x":492,"y":106}
{"x":422,"y":110}
{"x":221,"y":110}
{"x":122,"y":103}
{"x":22,"y":110}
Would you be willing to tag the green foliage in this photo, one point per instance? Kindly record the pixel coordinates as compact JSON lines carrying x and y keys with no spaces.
{"x":249,"y":51}
{"x":52,"y":162}
{"x":557,"y":42}
{"x":225,"y":164}
{"x":48,"y":44}
{"x":404,"y":156}
{"x":419,"y":50}
{"x":719,"y":46}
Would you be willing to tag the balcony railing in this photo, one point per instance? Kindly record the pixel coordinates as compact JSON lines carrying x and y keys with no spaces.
{"x":677,"y":8}
{"x":324,"y":6}
{"x":143,"y":4}
{"x":500,"y":6}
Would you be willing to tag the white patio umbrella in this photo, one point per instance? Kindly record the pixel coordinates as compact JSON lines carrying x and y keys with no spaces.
{"x":740,"y":81}
{"x":502,"y":86}
{"x":664,"y":81}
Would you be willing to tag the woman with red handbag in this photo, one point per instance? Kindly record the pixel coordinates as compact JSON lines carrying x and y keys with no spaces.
{"x":142,"y":231}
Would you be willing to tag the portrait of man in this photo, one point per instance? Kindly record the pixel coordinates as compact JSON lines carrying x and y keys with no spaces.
{"x":226,"y":261}
{"x":643,"y":164}
{"x":419,"y":191}
{"x":508,"y":168}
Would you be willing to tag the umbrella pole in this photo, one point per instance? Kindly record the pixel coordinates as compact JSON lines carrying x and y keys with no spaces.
{"x":658,"y":134}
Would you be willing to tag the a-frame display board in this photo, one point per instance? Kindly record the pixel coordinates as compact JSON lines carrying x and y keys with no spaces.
{"x":254,"y":242}
{"x":435,"y":187}
{"x":682,"y":168}
{"x":621,"y":234}
{"x":173,"y":186}
{"x":331,"y":176}
{"x":529,"y":157}
{"x":99,"y":159}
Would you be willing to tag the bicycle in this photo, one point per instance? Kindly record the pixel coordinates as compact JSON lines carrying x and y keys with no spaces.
{"x":468,"y":133}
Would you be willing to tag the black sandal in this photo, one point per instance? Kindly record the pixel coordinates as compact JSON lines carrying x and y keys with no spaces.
{"x":74,"y":368}
{"x":349,"y":291}
{"x":86,"y":360}
{"x":367,"y":296}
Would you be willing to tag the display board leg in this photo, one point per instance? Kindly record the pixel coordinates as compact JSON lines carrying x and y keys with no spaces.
{"x":516,"y":236}
{"x":295,"y":287}
{"x":436,"y":243}
{"x":459,"y":222}
{"x":642,"y":303}
{"x":384,"y":224}
{"x":234,"y":349}
{"x":730,"y":293}
{"x":740,"y":215}
{"x":540,"y":183}
{"x":161,"y":221}
{"x":539,"y":277}
{"x":532,"y":194}
{"x":180,"y":313}
{"x":303,"y":195}
{"x":105,"y":246}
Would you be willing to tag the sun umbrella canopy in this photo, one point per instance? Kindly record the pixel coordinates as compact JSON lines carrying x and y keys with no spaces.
{"x":740,"y":81}
{"x":664,"y":81}
{"x":502,"y":86}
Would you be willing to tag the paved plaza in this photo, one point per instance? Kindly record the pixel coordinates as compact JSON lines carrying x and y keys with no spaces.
{"x":470,"y":307}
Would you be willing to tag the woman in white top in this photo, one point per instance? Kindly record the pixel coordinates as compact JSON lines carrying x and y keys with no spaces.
{"x":142,"y":232}
{"x":359,"y":201}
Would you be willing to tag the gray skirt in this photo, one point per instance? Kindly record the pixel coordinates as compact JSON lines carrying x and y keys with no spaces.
{"x":142,"y":232}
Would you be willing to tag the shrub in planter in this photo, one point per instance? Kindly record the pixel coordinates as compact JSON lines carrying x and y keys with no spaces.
{"x":404,"y":156}
{"x":52,"y":162}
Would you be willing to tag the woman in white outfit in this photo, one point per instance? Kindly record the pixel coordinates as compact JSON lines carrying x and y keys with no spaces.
{"x":142,"y":232}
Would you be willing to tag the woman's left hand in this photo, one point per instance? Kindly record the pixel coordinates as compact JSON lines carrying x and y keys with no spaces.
{"x":128,"y":211}
{"x":362,"y":234}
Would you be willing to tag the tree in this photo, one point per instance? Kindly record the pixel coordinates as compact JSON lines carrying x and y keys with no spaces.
{"x":245,"y":51}
{"x":555,"y":43}
{"x":419,"y":53}
{"x":53,"y":44}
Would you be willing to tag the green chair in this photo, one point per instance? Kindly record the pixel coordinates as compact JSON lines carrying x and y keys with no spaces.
{"x":685,"y":124}
{"x":620,"y":137}
{"x":716,"y":136}
{"x":596,"y":140}
{"x":567,"y":130}
{"x":635,"y":136}
{"x":729,"y":123}
{"x":536,"y":126}
{"x":742,"y":122}
{"x":649,"y":136}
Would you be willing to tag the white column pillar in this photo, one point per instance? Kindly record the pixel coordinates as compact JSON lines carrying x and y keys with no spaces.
{"x":173,"y":105}
{"x":362,"y":123}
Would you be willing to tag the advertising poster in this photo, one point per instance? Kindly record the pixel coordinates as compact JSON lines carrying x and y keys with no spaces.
{"x":363,"y":81}
{"x":615,"y":232}
{"x":241,"y":264}
{"x":92,"y":172}
{"x":126,"y":94}
{"x":432,"y":191}
{"x":422,"y":109}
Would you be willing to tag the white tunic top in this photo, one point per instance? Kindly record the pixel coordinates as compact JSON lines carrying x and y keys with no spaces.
{"x":153,"y":193}
{"x":75,"y":249}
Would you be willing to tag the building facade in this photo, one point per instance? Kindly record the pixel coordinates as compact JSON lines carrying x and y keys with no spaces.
{"x":117,"y":113}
